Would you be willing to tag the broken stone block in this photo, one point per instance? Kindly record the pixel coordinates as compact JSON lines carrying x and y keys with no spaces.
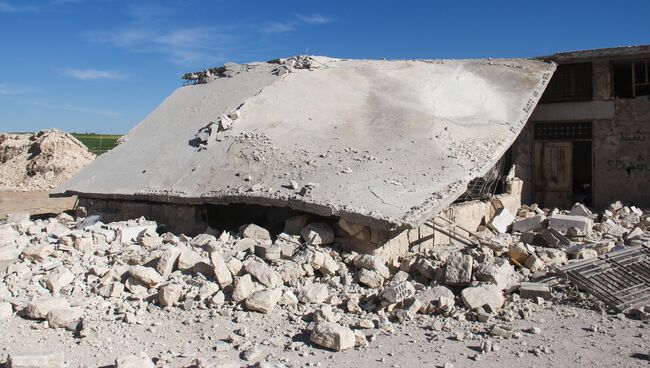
{"x":611,"y":228}
{"x":150,"y":241}
{"x":268,"y":252}
{"x":586,"y":253}
{"x":140,"y":360}
{"x":253,"y":231}
{"x":370,"y":278}
{"x":409,"y":311}
{"x":534,"y":290}
{"x":36,"y":360}
{"x":6,"y":310}
{"x":130,"y":234}
{"x":188,"y":259}
{"x":110,"y":289}
{"x":486,"y":294}
{"x":38,"y":252}
{"x":64,"y":318}
{"x":580,"y":210}
{"x":202,"y":240}
{"x":293,"y":225}
{"x":395,"y":293}
{"x":499,"y":272}
{"x":235,"y":266}
{"x":221,"y":272}
{"x":168,"y":295}
{"x":146,"y":275}
{"x":313,"y":293}
{"x":459,"y":269}
{"x":373,"y":263}
{"x":167,"y":261}
{"x":243,"y":288}
{"x":329,"y":266}
{"x":561,"y":222}
{"x":59,"y":279}
{"x":634,"y":234}
{"x":39,"y":308}
{"x":528,"y":224}
{"x":534,"y":263}
{"x":518,"y":253}
{"x":332,"y":336}
{"x":501,"y":221}
{"x":318,"y":233}
{"x":263,"y":273}
{"x":263,"y":301}
{"x":431,"y":298}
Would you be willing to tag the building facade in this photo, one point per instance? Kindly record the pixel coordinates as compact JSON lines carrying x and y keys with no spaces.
{"x":588,"y":139}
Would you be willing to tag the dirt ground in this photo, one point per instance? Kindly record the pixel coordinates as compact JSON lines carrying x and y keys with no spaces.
{"x":570,"y":337}
{"x":36,"y":203}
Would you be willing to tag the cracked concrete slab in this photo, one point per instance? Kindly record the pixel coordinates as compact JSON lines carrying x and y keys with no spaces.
{"x":387,"y":144}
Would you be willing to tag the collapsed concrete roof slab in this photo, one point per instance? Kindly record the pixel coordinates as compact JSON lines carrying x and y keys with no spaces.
{"x":387,"y":144}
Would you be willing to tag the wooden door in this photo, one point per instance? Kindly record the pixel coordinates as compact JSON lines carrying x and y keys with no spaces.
{"x":553,"y":173}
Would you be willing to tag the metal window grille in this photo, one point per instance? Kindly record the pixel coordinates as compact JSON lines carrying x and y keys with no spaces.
{"x":562,"y":131}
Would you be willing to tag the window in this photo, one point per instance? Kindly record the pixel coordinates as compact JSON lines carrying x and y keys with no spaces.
{"x":631,"y":78}
{"x":570,"y":82}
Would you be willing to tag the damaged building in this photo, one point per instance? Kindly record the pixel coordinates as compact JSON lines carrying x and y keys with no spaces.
{"x":587,"y":140}
{"x":377,"y":148}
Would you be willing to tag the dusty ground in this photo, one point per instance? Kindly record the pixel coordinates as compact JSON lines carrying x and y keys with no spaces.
{"x":35,"y":203}
{"x":567,"y":339}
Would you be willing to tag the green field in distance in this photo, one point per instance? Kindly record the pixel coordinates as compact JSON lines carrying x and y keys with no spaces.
{"x":97,"y":143}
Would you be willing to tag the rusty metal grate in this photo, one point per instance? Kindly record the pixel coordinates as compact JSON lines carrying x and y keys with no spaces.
{"x":621,"y":279}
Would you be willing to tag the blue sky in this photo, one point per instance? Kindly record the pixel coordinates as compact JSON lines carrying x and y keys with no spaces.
{"x":103,"y":65}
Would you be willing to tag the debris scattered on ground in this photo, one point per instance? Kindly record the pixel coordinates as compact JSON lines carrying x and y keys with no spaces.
{"x":71,"y":272}
{"x":42,"y":160}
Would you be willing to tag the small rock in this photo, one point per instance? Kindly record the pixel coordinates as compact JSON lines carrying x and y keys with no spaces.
{"x":314,"y":293}
{"x":140,"y":360}
{"x":370,"y":278}
{"x":59,"y":279}
{"x":486,"y":294}
{"x":39,"y":308}
{"x":64,"y":318}
{"x":146,"y":275}
{"x":263,"y":301}
{"x":253,"y":231}
{"x":168,"y":295}
{"x":243,"y":288}
{"x":332,"y":336}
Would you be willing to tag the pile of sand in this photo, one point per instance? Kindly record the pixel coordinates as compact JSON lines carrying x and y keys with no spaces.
{"x":40,"y":161}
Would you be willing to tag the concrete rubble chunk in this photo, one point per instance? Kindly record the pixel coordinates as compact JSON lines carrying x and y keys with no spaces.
{"x":502,"y":221}
{"x":221,"y":272}
{"x":486,"y":294}
{"x":39,"y":308}
{"x":373,"y":263}
{"x":256,"y":232}
{"x":458,"y":271}
{"x":370,"y":278}
{"x":499,"y":272}
{"x":59,"y":279}
{"x":36,"y":360}
{"x":146,"y":275}
{"x":64,"y":318}
{"x":579,"y":209}
{"x":140,"y":360}
{"x":528,"y":224}
{"x":534,"y":290}
{"x":318,"y":233}
{"x":38,"y":252}
{"x":395,"y":293}
{"x":313,"y":293}
{"x":168,"y":295}
{"x":202,"y":240}
{"x":17,"y":217}
{"x":268,"y":252}
{"x":129,"y":234}
{"x":561,"y":222}
{"x":188,"y":259}
{"x":263,"y":301}
{"x":263,"y":273}
{"x":433,"y":297}
{"x":167,"y":261}
{"x":243,"y":288}
{"x":332,"y":336}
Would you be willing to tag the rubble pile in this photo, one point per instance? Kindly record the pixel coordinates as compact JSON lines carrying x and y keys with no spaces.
{"x":71,"y":272}
{"x":40,"y":161}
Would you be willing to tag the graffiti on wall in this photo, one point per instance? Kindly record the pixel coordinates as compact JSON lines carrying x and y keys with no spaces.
{"x":629,"y":165}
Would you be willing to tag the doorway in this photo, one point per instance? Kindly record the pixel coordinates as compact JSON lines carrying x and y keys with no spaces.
{"x":562,"y":163}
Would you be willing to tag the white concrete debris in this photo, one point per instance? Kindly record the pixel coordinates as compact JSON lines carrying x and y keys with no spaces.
{"x":140,"y":360}
{"x":332,"y":336}
{"x":338,"y":295}
{"x":36,"y":360}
